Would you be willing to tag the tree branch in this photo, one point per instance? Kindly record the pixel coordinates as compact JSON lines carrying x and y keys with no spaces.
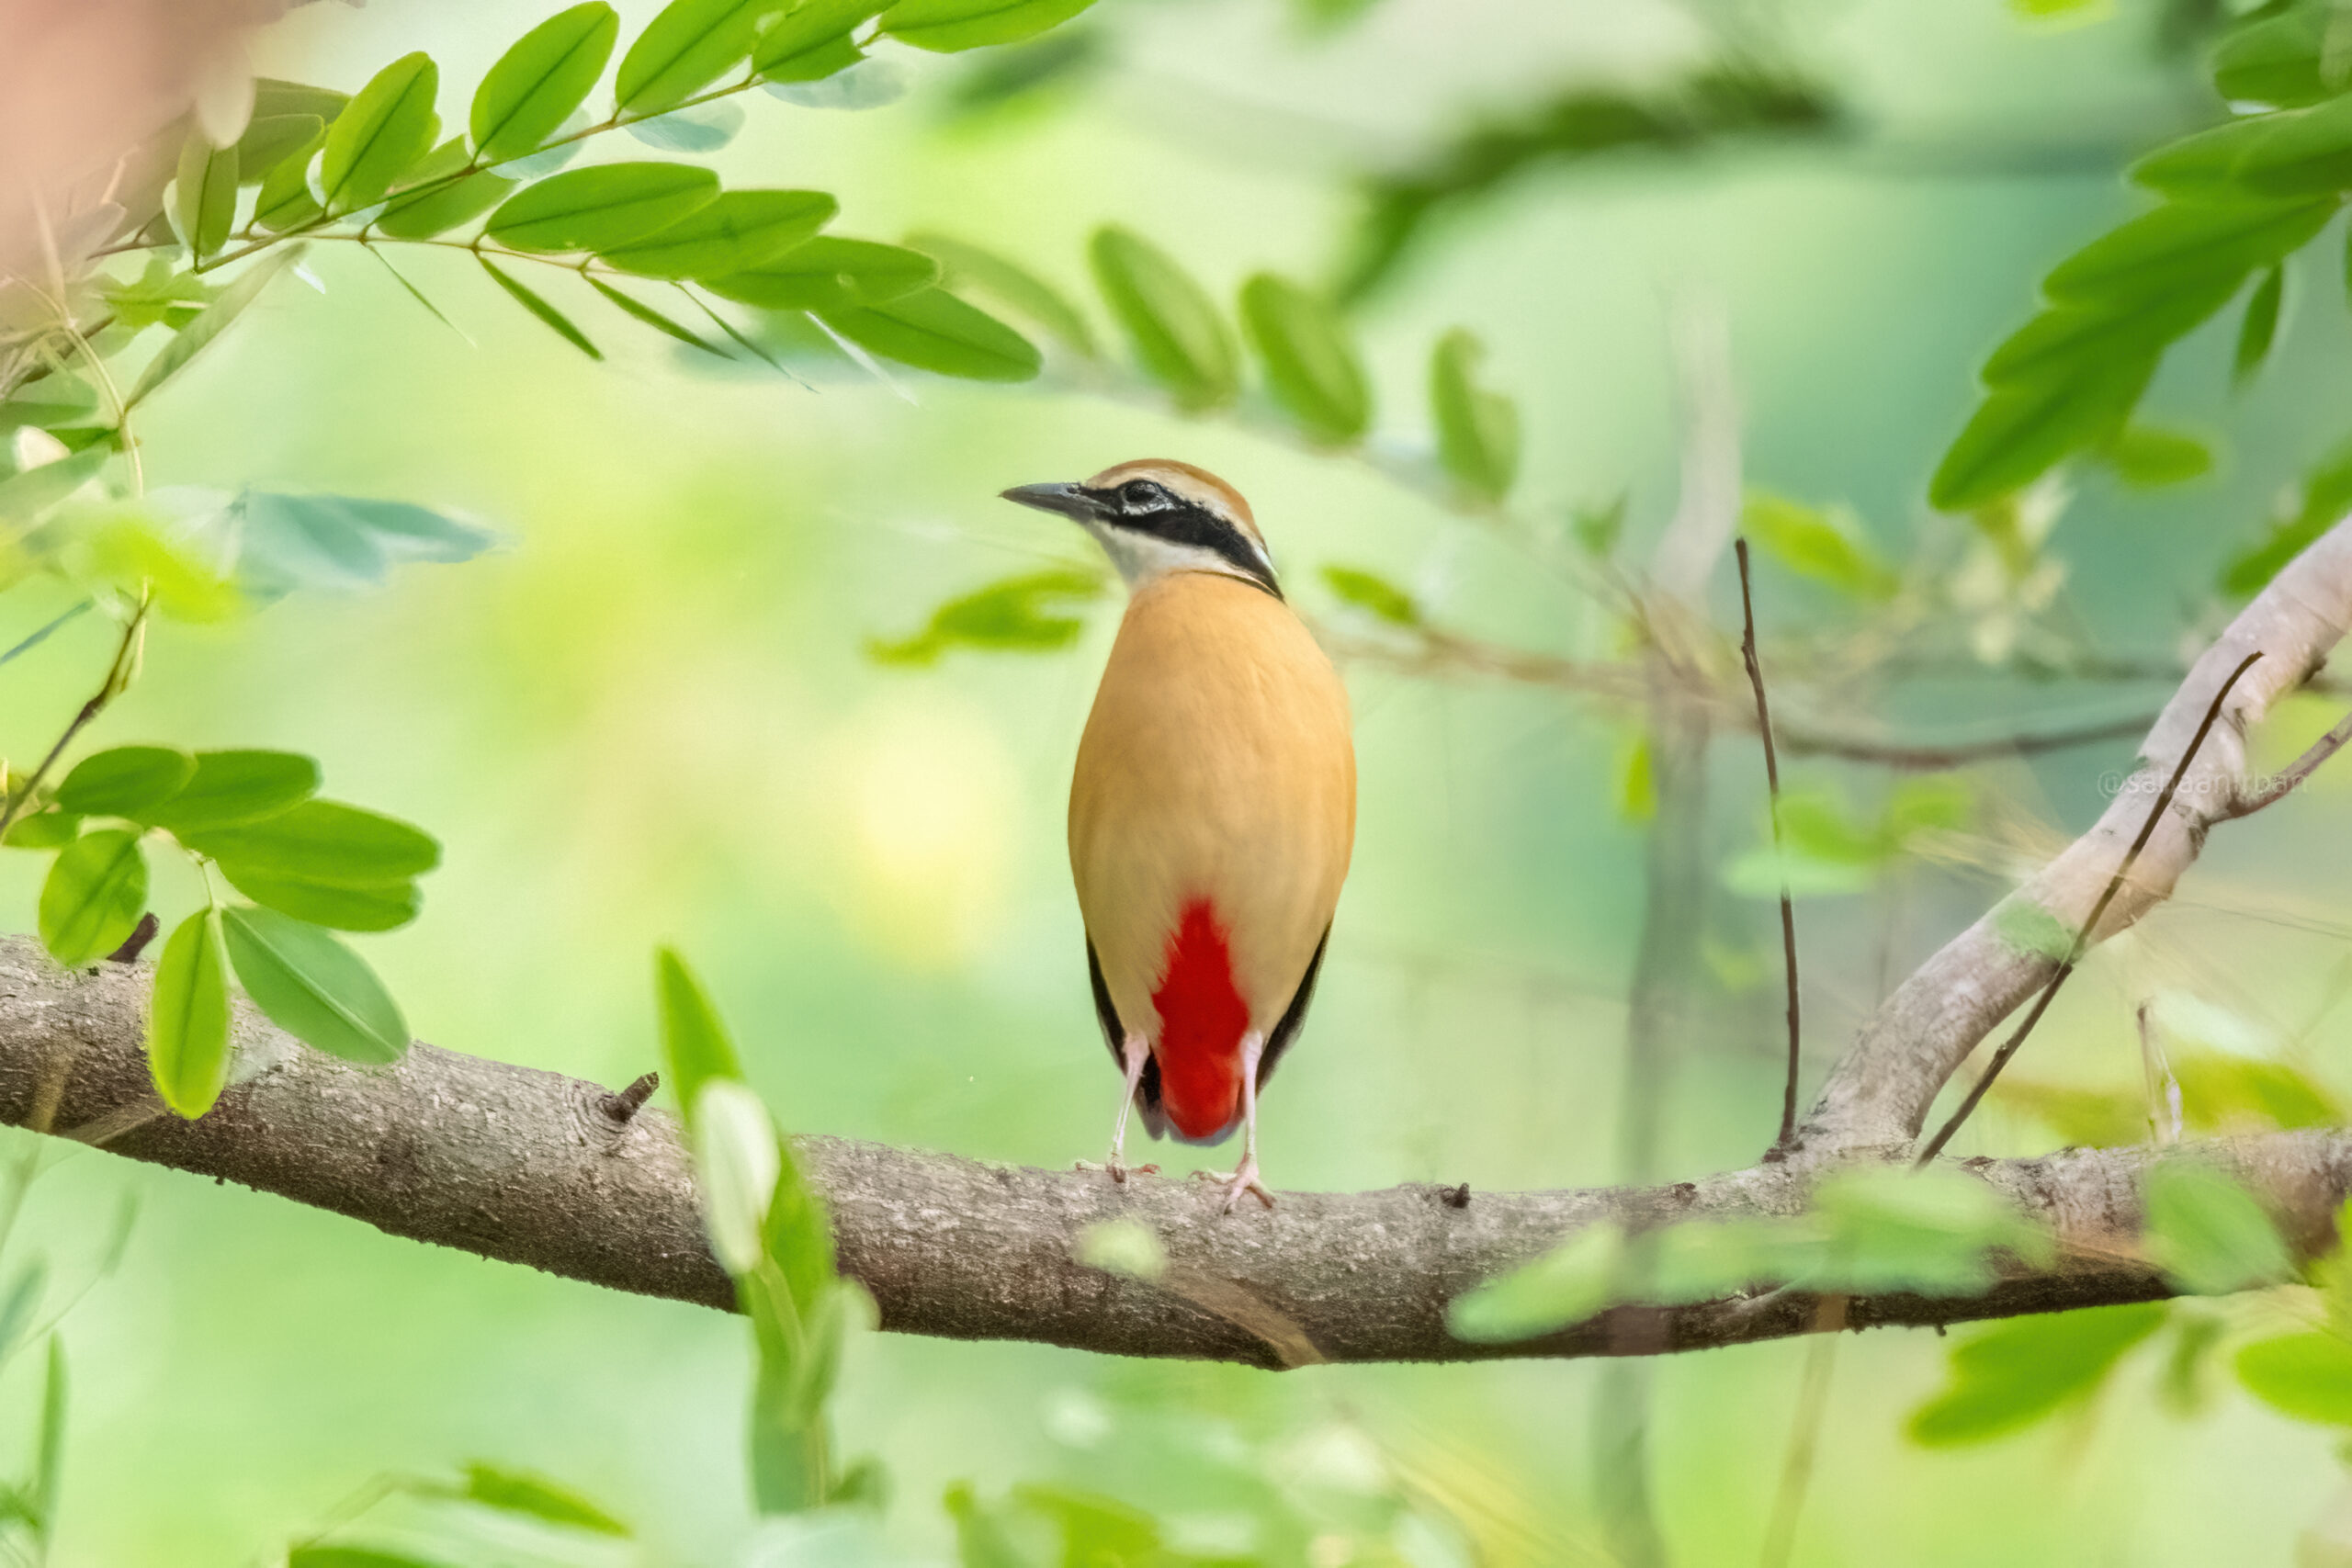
{"x":529,"y":1167}
{"x":1880,"y":1092}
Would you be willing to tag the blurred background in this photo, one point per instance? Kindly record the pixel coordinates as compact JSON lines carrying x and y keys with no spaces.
{"x":651,"y":717}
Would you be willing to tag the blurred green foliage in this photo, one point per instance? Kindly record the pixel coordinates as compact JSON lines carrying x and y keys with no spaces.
{"x":648,"y":717}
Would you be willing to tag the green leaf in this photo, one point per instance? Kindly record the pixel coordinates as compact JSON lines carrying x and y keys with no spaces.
{"x":1930,"y":1231}
{"x":54,"y":400}
{"x":2202,"y":167}
{"x":274,"y":95}
{"x":696,"y":1047}
{"x":125,"y":781}
{"x":2014,"y":1373}
{"x":1598,"y":528}
{"x":25,"y":496}
{"x":1094,"y":1529}
{"x":2210,"y":1234}
{"x":2027,"y":927}
{"x":1477,"y":430}
{"x":2149,"y":457}
{"x":323,"y":840}
{"x":1564,"y":1286}
{"x":1008,"y":617}
{"x":2259,"y":327}
{"x":968,"y":267}
{"x":520,"y":1492}
{"x":2300,"y":152}
{"x":829,"y":274}
{"x":812,"y":40}
{"x":601,"y":208}
{"x":314,"y":988}
{"x":1375,"y":595}
{"x":946,"y":26}
{"x":2222,"y":1088}
{"x":684,"y":49}
{"x":1824,"y":543}
{"x":2277,"y":59}
{"x":1178,"y":339}
{"x":214,"y":320}
{"x":655,"y":318}
{"x":932,"y":330}
{"x":697,"y":127}
{"x":736,"y":1163}
{"x":2020,"y":433}
{"x":2183,"y":245}
{"x":387,"y":127}
{"x":742,"y":229}
{"x":1699,"y":1260}
{"x":95,"y":893}
{"x":2307,"y":1376}
{"x":270,"y":140}
{"x":228,"y":789}
{"x":354,"y":1557}
{"x":277,"y":543}
{"x":437,"y":209}
{"x":338,"y":905}
{"x":48,"y":829}
{"x":537,"y":84}
{"x":205,"y":195}
{"x":285,"y":200}
{"x":1312,"y":367}
{"x":187,"y":1019}
{"x":545,"y":312}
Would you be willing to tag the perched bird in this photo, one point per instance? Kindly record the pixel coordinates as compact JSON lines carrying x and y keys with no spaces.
{"x":1212,"y":807}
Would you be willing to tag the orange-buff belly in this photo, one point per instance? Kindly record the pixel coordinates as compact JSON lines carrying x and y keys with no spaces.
{"x":1202,"y":1020}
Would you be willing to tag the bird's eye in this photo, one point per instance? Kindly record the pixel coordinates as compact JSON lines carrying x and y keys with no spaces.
{"x":1142,"y":495}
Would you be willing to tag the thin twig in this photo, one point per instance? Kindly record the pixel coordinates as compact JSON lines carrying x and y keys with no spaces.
{"x":1805,"y":1431}
{"x":2289,"y":779}
{"x":2082,"y":937}
{"x":37,"y":639}
{"x":118,"y":677}
{"x":1436,"y":652}
{"x":1773,"y":784}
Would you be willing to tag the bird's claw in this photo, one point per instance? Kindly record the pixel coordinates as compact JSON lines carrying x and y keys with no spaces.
{"x":1115,"y":1170}
{"x":1242,"y":1180}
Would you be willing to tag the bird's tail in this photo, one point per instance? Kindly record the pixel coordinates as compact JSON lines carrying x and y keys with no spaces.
{"x":1155,"y":1114}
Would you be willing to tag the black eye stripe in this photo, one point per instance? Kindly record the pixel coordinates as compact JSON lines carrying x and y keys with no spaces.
{"x":1181,"y":522}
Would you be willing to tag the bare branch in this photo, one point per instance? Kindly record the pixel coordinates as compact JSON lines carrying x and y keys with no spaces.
{"x":1773,"y":782}
{"x":1880,"y":1092}
{"x":1438,"y":654}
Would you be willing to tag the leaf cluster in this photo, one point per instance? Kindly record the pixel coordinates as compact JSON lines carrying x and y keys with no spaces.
{"x":2233,"y":203}
{"x":309,"y":867}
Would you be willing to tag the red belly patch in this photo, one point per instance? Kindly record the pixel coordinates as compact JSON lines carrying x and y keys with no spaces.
{"x":1202,"y":1020}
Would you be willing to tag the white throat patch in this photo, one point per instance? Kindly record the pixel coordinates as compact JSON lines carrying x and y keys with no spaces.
{"x":1141,"y":558}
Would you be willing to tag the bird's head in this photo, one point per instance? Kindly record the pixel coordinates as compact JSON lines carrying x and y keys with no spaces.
{"x":1156,"y":516}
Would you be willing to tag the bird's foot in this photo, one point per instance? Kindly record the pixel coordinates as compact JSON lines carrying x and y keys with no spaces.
{"x":1242,"y":1180}
{"x":1114,"y":1169}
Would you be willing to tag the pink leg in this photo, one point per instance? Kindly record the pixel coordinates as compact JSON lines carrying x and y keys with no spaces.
{"x":1245,"y":1178}
{"x":1137,"y":1051}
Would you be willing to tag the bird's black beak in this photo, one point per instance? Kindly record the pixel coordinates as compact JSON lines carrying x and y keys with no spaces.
{"x":1070,"y":500}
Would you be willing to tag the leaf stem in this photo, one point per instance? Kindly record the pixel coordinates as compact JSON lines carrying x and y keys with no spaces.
{"x":119,"y":673}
